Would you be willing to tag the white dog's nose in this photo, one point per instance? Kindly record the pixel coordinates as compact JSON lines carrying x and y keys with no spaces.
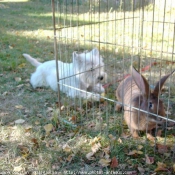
{"x":100,"y":78}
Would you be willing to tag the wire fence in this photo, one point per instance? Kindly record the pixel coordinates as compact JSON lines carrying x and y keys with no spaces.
{"x":117,"y":34}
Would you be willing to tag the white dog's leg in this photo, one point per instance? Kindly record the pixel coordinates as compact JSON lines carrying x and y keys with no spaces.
{"x":88,"y":96}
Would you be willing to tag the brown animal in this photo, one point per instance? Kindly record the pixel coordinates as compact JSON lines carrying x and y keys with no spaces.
{"x":134,"y":91}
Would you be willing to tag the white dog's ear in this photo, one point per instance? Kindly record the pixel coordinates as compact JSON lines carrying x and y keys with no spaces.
{"x":76,"y":58}
{"x":95,"y":52}
{"x":74,"y":55}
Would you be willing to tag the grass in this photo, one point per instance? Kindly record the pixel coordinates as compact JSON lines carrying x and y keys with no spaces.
{"x":41,"y":141}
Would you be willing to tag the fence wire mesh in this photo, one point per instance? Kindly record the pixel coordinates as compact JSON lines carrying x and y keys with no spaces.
{"x":135,"y":32}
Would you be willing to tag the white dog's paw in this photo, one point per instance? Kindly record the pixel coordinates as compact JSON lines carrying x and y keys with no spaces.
{"x":94,"y":97}
{"x":89,"y":96}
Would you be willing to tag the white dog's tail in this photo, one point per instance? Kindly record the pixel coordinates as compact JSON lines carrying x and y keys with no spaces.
{"x":32,"y":60}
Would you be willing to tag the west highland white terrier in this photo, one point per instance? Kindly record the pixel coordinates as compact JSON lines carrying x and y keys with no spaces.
{"x":86,"y":72}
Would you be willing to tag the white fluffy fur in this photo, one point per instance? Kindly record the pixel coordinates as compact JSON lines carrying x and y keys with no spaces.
{"x":86,"y":72}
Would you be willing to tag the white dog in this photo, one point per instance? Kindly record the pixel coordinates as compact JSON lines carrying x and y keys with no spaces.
{"x":86,"y":73}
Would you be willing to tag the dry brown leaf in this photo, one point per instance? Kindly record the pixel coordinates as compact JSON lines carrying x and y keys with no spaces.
{"x":5,"y":93}
{"x":104,"y":162}
{"x":35,"y":142}
{"x":70,"y":157}
{"x":24,"y":151}
{"x":74,"y":119}
{"x":141,"y":170}
{"x":134,"y":153}
{"x":91,"y":125}
{"x":28,"y":128}
{"x":112,"y":138}
{"x":96,"y":147}
{"x":66,"y":148}
{"x":107,"y":150}
{"x":150,"y":137}
{"x":17,"y":79}
{"x":106,"y":153}
{"x":162,"y":148}
{"x":120,"y":140}
{"x":22,"y":65}
{"x":161,"y":167}
{"x":48,"y":128}
{"x":174,"y":167}
{"x":139,"y":147}
{"x":114,"y":162}
{"x":149,"y":160}
{"x":95,"y":140}
{"x":37,"y":122}
{"x":19,"y":107}
{"x":19,"y":121}
{"x":20,"y":86}
{"x":90,"y":155}
{"x":17,"y":168}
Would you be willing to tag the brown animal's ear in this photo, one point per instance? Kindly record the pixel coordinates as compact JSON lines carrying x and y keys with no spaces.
{"x":160,"y":84}
{"x":141,"y":82}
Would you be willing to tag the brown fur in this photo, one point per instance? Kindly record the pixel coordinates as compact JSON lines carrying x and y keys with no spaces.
{"x":134,"y":92}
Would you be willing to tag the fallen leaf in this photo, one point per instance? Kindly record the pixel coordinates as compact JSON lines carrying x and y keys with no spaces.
{"x":24,"y":151}
{"x":162,"y":148}
{"x":150,"y":137}
{"x":106,"y":152}
{"x":161,"y":167}
{"x":17,"y":168}
{"x":70,"y":157}
{"x":139,"y":147}
{"x":20,"y":86}
{"x":17,"y":79}
{"x":10,"y":47}
{"x":90,"y":155}
{"x":74,"y":119}
{"x":37,"y":122}
{"x":174,"y":167}
{"x":112,"y":138}
{"x":81,"y":110}
{"x":19,"y":107}
{"x":5,"y":93}
{"x":95,"y":140}
{"x":120,"y":140}
{"x":167,"y":112}
{"x":28,"y":128}
{"x":96,"y":147}
{"x":114,"y":162}
{"x":19,"y":121}
{"x":134,"y":152}
{"x":141,"y":170}
{"x":149,"y":160}
{"x":48,"y":128}
{"x":22,"y":65}
{"x":104,"y":162}
{"x":66,"y":148}
{"x":35,"y":142}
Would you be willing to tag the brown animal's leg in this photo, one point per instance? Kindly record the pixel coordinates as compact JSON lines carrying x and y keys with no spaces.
{"x":134,"y":133}
{"x":118,"y":107}
{"x":150,"y":137}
